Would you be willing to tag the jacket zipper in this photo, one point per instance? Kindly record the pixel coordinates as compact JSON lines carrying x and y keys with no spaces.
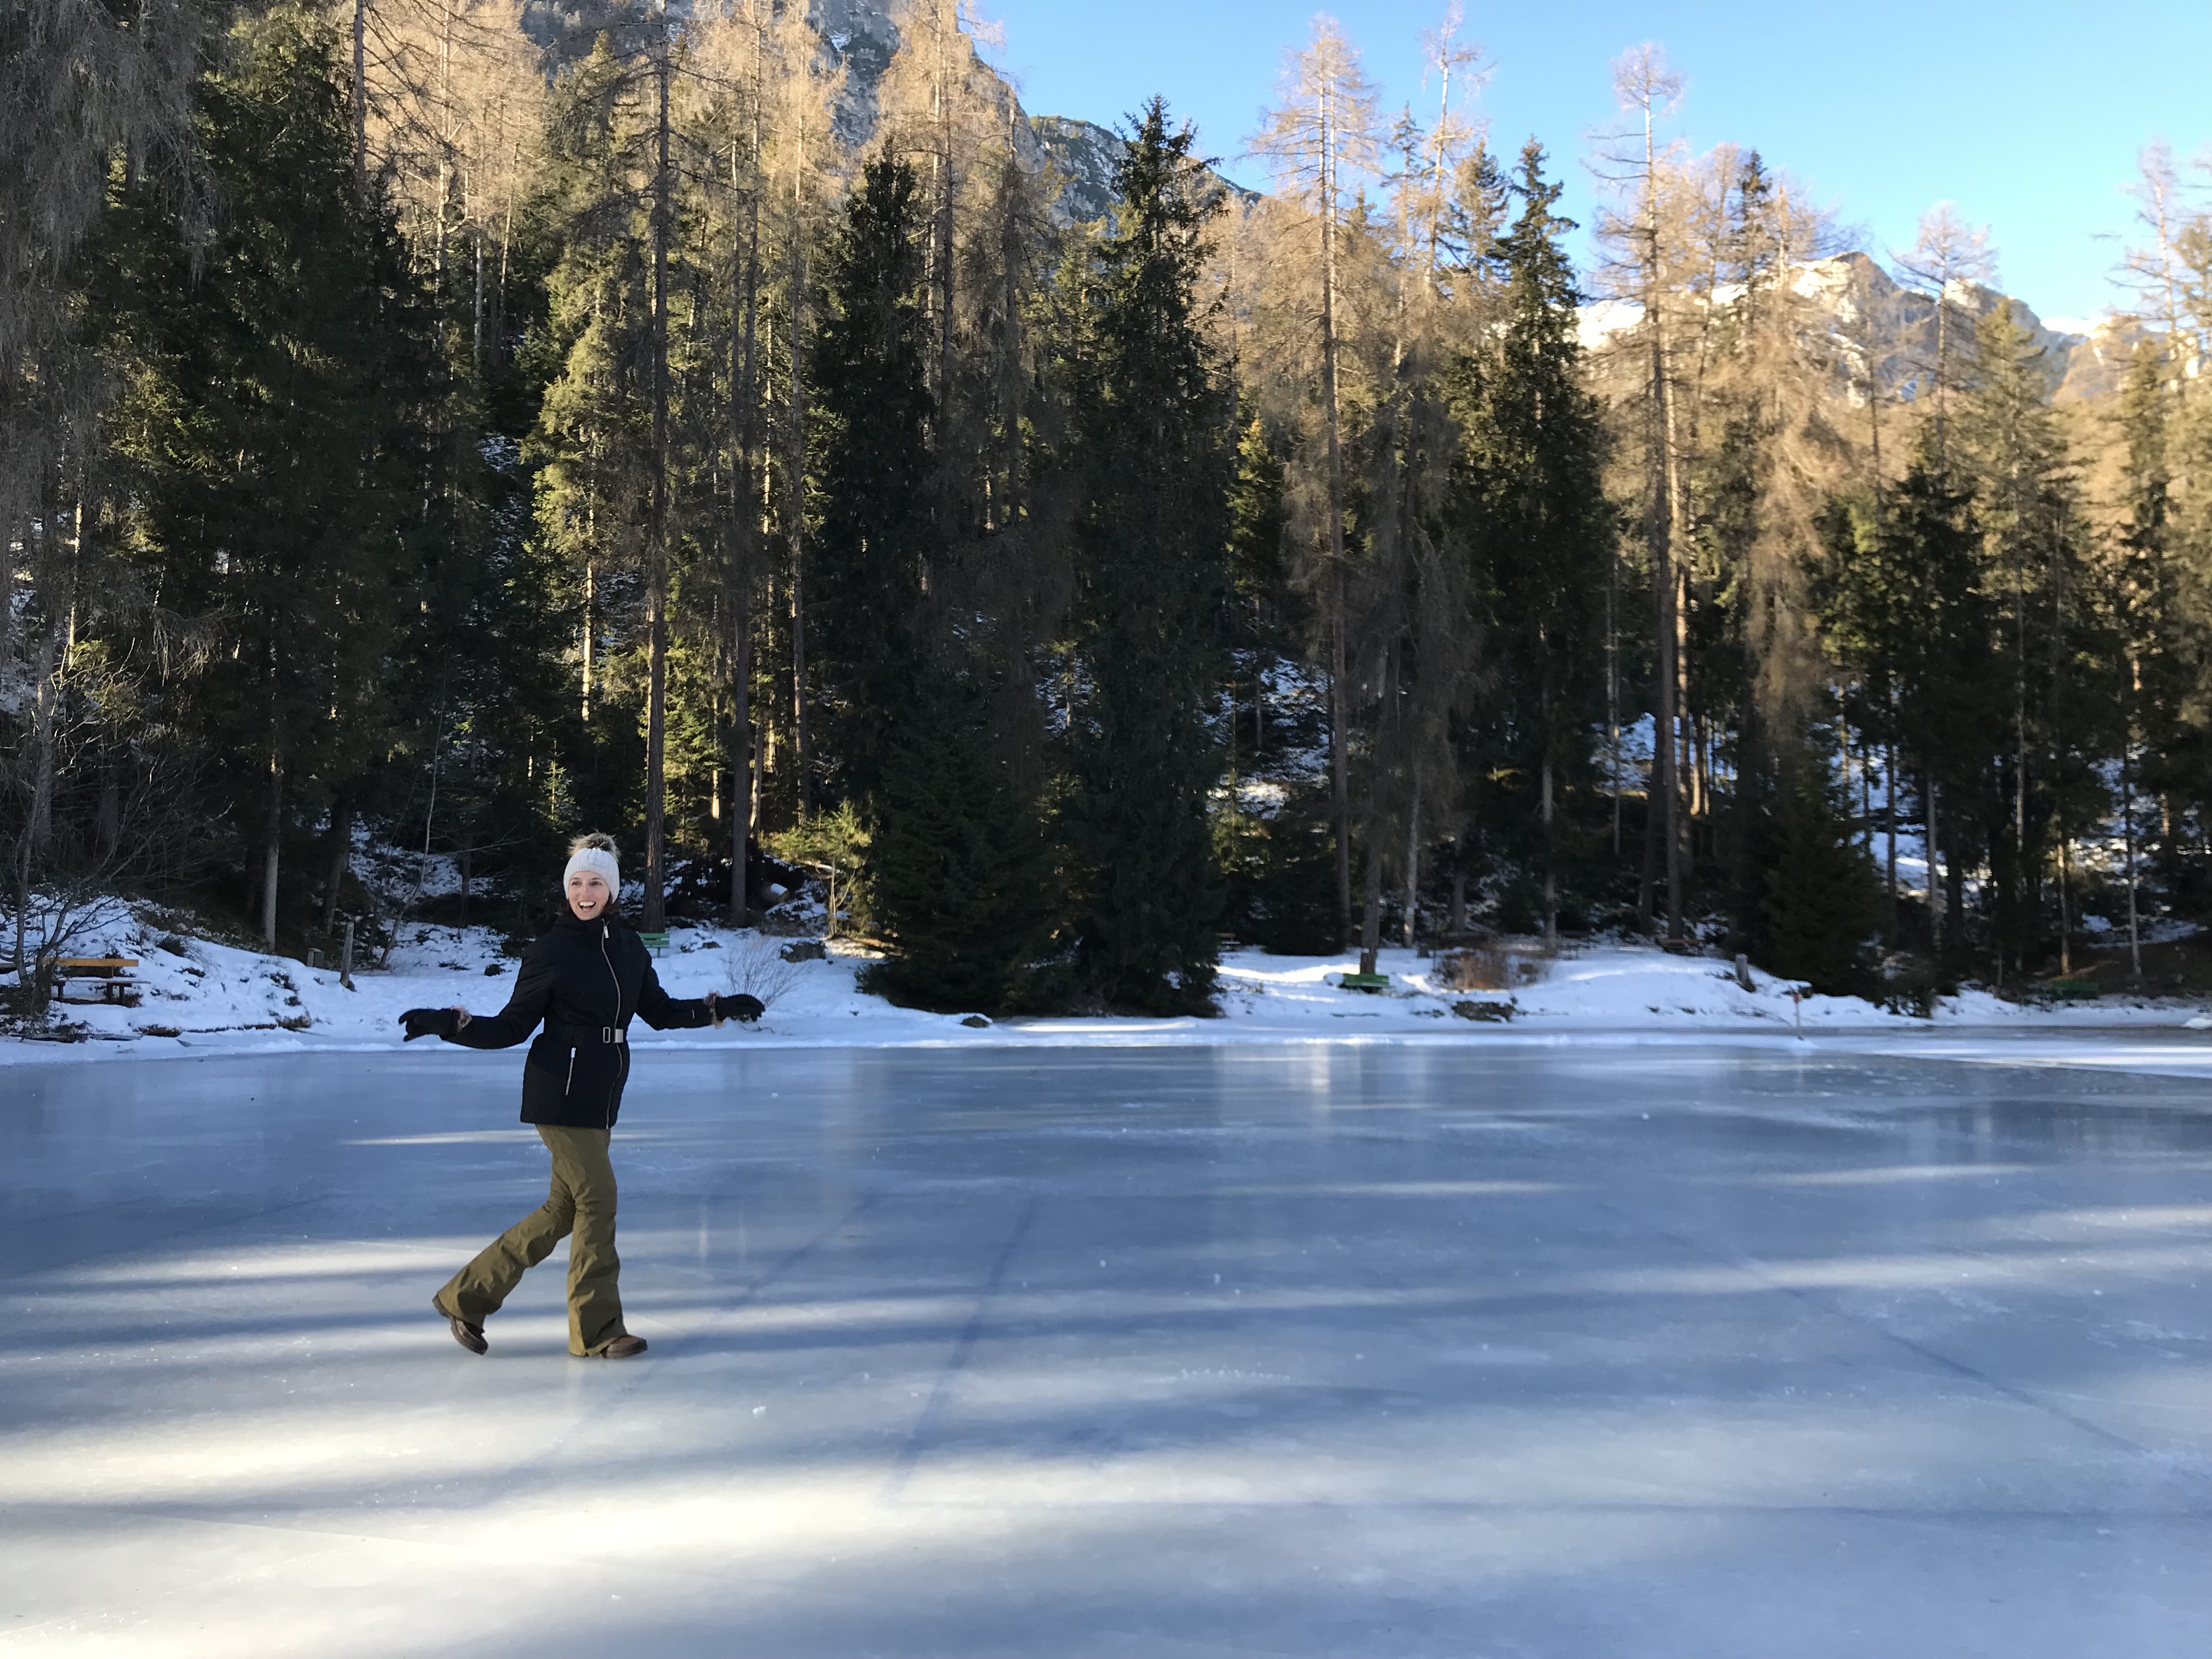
{"x":569,"y":1087}
{"x":603,"y":936}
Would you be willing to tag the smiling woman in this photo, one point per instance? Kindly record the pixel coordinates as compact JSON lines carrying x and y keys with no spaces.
{"x":582,"y":982}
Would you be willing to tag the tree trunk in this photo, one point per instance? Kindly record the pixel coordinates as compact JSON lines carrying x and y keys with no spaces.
{"x":9,"y":557}
{"x":1954,"y":891}
{"x":1340,"y":777}
{"x":1613,"y":687}
{"x":476,"y":315}
{"x":2128,"y":826}
{"x":591,"y":605}
{"x":271,"y":853}
{"x":1889,"y":788}
{"x":45,"y":738}
{"x":1412,"y":862}
{"x":746,"y":505}
{"x":1339,"y":738}
{"x":2065,"y":920}
{"x":361,"y":95}
{"x":795,"y":507}
{"x":654,"y":914}
{"x":1932,"y":793}
{"x":1371,"y":917}
{"x":1667,"y":574}
{"x":1551,"y":863}
{"x":111,"y":812}
{"x":341,"y":859}
{"x":1665,"y":784}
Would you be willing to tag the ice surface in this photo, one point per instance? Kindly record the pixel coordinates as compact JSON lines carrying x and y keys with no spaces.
{"x":1559,"y":1347}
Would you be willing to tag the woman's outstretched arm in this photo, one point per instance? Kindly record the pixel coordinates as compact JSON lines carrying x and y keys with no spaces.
{"x":533,"y":990}
{"x":664,"y":1012}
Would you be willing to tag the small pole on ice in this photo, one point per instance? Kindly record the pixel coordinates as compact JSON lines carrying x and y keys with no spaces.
{"x":345,"y":957}
{"x":1798,"y":1007}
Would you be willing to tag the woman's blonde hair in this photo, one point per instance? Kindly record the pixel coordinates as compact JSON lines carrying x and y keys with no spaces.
{"x":594,"y":842}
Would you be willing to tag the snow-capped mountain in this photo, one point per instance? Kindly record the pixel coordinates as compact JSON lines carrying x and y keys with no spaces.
{"x":1866,"y":314}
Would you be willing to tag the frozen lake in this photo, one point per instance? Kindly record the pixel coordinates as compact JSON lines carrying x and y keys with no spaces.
{"x":1577,"y":1351}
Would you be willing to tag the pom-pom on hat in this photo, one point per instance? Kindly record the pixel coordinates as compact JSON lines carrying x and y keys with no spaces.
{"x":596,"y":854}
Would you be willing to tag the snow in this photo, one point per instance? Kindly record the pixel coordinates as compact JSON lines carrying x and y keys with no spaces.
{"x":1598,"y":321}
{"x":199,"y":997}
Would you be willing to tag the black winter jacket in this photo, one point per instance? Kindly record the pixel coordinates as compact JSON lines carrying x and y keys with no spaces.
{"x":584,"y":980}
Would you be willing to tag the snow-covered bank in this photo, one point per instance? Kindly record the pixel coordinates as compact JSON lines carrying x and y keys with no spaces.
{"x":199,"y":997}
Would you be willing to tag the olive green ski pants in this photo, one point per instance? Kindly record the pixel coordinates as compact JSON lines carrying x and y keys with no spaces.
{"x":581,"y":1208}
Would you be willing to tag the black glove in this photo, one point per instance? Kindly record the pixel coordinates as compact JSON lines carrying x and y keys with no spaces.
{"x":740,"y":1007}
{"x":429,"y":1022}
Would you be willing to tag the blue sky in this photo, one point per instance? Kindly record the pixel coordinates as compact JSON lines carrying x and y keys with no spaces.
{"x":2029,"y":115}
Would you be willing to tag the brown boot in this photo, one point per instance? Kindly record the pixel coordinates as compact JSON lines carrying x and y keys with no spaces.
{"x":622,"y":1347}
{"x":471,"y":1337}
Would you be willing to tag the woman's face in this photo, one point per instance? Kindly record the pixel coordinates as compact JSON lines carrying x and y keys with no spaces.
{"x":587,"y":894}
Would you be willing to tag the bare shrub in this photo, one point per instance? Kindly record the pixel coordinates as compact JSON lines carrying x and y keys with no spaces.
{"x":1489,"y":968}
{"x":756,"y":967}
{"x":85,"y":818}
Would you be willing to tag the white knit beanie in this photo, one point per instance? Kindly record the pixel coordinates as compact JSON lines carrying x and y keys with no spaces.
{"x":594,"y":853}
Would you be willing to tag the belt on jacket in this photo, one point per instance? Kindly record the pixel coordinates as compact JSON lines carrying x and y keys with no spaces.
{"x":582,"y":1034}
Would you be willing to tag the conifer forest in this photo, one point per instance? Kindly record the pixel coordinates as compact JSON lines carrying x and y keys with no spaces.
{"x":449,"y":425}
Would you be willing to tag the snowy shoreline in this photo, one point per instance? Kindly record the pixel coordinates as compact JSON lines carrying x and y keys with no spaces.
{"x":200,"y":998}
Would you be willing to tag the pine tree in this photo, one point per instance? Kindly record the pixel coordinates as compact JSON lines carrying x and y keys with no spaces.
{"x":956,"y":865}
{"x":1533,"y":500}
{"x":874,"y":480}
{"x":1156,"y":464}
{"x":1809,"y":905}
{"x":959,"y":869}
{"x":1949,"y":704}
{"x":2064,"y":701}
{"x":2164,"y":752}
{"x":280,"y":430}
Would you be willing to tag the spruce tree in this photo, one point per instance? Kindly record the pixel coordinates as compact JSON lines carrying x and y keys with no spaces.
{"x":956,"y":865}
{"x":2065,"y":681}
{"x":874,"y":480}
{"x":1950,"y":697}
{"x":1817,"y":906}
{"x":279,"y":427}
{"x":1276,"y":863}
{"x":959,"y":870}
{"x":2166,"y":755}
{"x":1156,"y":459}
{"x":1532,"y":501}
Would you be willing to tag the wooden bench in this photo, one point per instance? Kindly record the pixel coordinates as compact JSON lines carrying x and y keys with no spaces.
{"x":108,"y":973}
{"x":655,"y":944}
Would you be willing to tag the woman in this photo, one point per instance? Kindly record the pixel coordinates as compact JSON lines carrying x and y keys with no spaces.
{"x":584,"y":980}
